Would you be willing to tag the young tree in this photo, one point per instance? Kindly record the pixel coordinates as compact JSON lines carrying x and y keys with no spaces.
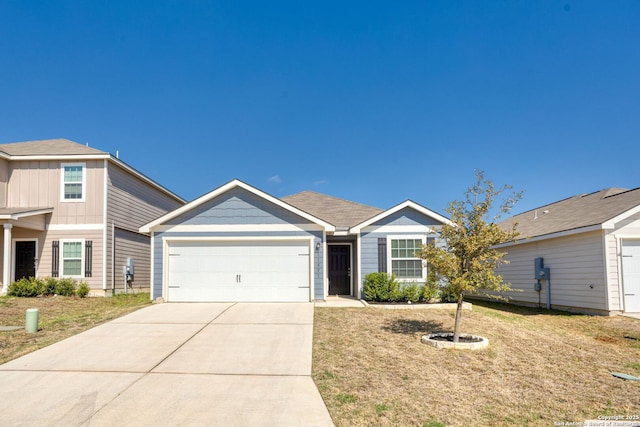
{"x":466,"y":262}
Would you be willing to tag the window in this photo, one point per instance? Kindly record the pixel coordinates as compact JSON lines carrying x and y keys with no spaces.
{"x":73,"y":182}
{"x":405,"y":263}
{"x":72,"y":261}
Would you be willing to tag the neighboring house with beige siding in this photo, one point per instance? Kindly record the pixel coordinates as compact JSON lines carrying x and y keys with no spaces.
{"x":590,"y":245}
{"x":69,"y":210}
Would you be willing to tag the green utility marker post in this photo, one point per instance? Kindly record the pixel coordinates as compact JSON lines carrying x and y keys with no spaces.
{"x":31,"y":323}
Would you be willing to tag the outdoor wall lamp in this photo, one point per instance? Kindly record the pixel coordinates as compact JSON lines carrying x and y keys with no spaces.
{"x":317,"y":246}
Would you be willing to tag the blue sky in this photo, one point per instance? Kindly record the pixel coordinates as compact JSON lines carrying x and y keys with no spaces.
{"x":375,"y":102}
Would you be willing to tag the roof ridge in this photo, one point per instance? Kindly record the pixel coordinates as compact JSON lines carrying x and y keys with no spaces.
{"x":332,"y":197}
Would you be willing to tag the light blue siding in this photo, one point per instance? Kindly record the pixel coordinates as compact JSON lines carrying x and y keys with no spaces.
{"x":369,"y":252}
{"x":238,"y":206}
{"x":369,"y":240}
{"x":407,"y":216}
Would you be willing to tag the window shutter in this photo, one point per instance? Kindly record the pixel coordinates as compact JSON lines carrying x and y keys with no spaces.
{"x":55,"y":258}
{"x":88,"y":255}
{"x":382,"y":254}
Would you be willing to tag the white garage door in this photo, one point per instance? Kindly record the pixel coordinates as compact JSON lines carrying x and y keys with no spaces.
{"x":631,"y":275}
{"x":244,"y":271}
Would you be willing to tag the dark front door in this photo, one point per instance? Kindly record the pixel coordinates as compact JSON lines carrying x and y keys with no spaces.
{"x":25,"y":259}
{"x":339,"y":270}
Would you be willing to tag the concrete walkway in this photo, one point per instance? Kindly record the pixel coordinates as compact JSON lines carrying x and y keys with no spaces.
{"x":173,"y":365}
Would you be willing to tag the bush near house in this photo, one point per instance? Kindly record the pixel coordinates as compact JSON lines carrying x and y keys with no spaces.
{"x":383,"y":287}
{"x":34,"y":287}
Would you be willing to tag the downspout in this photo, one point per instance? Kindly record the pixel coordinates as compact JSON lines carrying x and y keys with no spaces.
{"x":548,"y":292}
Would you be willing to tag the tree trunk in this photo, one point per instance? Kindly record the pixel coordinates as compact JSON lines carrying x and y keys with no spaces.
{"x":456,"y":328}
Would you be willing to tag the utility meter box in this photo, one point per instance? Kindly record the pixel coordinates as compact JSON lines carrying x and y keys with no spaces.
{"x":541,"y":273}
{"x":129,"y":270}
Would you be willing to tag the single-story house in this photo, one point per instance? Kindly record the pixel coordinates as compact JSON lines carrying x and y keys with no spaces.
{"x":583,"y":251}
{"x":238,"y":243}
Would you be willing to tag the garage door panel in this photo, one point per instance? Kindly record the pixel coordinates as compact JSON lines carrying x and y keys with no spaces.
{"x":239,"y":271}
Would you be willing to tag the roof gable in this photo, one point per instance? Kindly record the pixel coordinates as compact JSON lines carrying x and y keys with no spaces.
{"x":600,"y":209}
{"x":389,"y":213}
{"x":198,"y":205}
{"x":339,"y":212}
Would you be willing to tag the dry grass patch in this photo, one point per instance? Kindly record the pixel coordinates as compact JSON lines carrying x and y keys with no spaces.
{"x":540,"y":367}
{"x":59,"y":318}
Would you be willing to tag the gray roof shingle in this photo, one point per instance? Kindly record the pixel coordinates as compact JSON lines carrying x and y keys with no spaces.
{"x":48,"y":147}
{"x":579,"y":211}
{"x":338,"y":212}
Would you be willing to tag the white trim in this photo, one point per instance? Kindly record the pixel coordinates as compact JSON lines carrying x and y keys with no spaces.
{"x":68,"y":157}
{"x":621,"y":276}
{"x":75,"y":227}
{"x":423,"y":239}
{"x":230,"y":228}
{"x":234,"y":238}
{"x":104,"y":224}
{"x":166,"y":242}
{"x":152,"y":265}
{"x":606,"y":269}
{"x":610,"y":224}
{"x":551,"y":236}
{"x":61,"y":258}
{"x":147,"y":228}
{"x":26,"y":214}
{"x":406,"y":204}
{"x":350,"y":263}
{"x":83,"y":182}
{"x":312,"y":257}
{"x":13,"y":254}
{"x":399,"y":229}
{"x":359,"y":261}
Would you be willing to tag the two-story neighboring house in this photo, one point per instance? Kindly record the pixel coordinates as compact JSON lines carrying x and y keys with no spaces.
{"x":68,"y":210}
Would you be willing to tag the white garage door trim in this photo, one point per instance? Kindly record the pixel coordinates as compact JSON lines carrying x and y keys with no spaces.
{"x":241,"y":241}
{"x":631,"y":274}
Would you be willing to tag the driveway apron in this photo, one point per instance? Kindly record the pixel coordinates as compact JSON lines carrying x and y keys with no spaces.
{"x":173,"y":364}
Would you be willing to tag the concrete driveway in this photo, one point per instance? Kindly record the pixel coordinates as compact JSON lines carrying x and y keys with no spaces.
{"x":173,"y":364}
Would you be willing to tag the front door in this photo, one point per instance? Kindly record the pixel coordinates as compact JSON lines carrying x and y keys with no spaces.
{"x":339,"y":269}
{"x":25,"y":259}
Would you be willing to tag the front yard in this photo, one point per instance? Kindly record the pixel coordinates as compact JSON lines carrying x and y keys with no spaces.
{"x":541,"y":368}
{"x":59,"y":318}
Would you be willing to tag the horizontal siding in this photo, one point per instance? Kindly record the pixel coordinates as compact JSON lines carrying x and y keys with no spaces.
{"x":131,"y":203}
{"x":407,"y":216}
{"x":576,"y":262}
{"x":627,"y":229}
{"x":238,"y":206}
{"x":138,"y":247}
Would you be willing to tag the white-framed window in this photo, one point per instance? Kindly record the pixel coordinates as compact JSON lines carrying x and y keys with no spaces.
{"x":72,"y":258}
{"x":403,"y":259}
{"x":73,"y":182}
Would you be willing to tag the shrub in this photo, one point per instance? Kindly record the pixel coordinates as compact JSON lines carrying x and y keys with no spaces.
{"x":412,"y":292}
{"x":376,"y":287}
{"x":446,"y":295}
{"x":24,"y":287}
{"x":395,"y":291}
{"x":382,"y":287}
{"x":83,"y":290}
{"x":50,"y":286}
{"x":431,"y":289}
{"x":66,"y":287}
